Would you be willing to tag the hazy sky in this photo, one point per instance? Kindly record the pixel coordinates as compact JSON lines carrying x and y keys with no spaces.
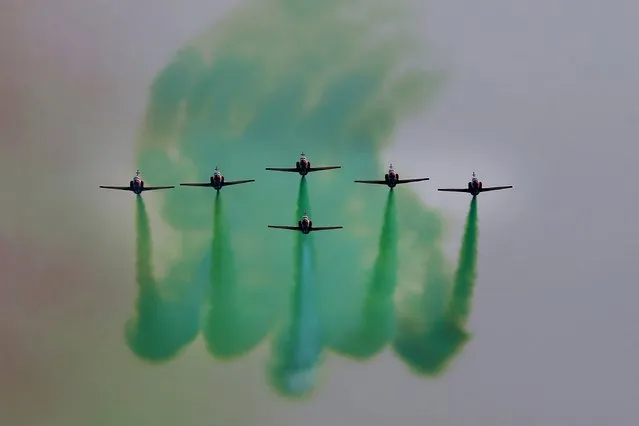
{"x":541,"y":95}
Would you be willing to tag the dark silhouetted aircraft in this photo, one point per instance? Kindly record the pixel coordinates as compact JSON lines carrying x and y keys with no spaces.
{"x":475,"y":187}
{"x":305,"y":225}
{"x":136,"y":185}
{"x":217,"y":181}
{"x":391,"y":179}
{"x":303,"y":167}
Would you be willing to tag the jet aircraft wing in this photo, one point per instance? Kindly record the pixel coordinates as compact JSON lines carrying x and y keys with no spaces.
{"x":411,"y":180}
{"x":122,"y":188}
{"x":153,"y":188}
{"x":196,"y":184}
{"x":237,"y":182}
{"x":374,"y":182}
{"x":454,"y":189}
{"x":495,"y":188}
{"x":290,"y":228}
{"x":325,"y":228}
{"x":317,"y":169}
{"x":283,"y":169}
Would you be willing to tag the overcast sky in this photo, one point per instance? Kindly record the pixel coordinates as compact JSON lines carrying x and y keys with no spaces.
{"x":541,"y":94}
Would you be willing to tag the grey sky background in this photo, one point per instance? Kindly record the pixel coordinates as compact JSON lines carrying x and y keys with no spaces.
{"x":542,"y":95}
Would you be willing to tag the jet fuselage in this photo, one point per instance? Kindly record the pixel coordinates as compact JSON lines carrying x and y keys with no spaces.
{"x":302,"y":166}
{"x":217,"y":181}
{"x":136,"y":185}
{"x":391,"y":178}
{"x":474,"y":186}
{"x":305,"y":225}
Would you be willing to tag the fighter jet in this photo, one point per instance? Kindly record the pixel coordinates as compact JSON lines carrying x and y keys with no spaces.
{"x":303,"y":167}
{"x":136,"y":185}
{"x":217,"y":181}
{"x":305,"y":225}
{"x":391,"y":179}
{"x":474,"y":187}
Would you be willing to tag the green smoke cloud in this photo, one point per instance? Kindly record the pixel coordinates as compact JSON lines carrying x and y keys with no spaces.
{"x":376,"y":326}
{"x":232,"y":325}
{"x":297,"y":350}
{"x":427,"y":343}
{"x":276,"y":77}
{"x":163,"y":324}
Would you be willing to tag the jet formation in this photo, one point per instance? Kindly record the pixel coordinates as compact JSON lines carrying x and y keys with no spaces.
{"x":303,"y":167}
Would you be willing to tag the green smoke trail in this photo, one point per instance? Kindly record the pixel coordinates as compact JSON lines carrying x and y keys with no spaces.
{"x":297,"y":350}
{"x":162,"y":326}
{"x":231,"y":327}
{"x":377,"y":326}
{"x":303,"y":200}
{"x":271,"y":80}
{"x":428,"y":347}
{"x":459,"y":308}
